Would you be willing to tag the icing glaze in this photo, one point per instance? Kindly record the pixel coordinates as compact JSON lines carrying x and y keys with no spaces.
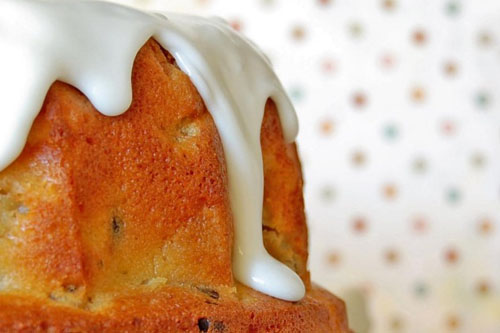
{"x":92,"y":46}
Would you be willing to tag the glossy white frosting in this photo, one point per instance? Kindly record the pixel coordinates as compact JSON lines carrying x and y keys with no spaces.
{"x":92,"y":46}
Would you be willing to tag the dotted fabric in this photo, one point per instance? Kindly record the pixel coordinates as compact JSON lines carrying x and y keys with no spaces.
{"x":399,"y":106}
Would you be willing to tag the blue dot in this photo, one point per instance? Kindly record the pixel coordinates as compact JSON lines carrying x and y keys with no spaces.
{"x":453,"y":195}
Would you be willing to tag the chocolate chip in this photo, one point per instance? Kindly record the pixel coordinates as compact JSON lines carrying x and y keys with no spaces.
{"x":203,"y":324}
{"x":210,"y":292}
{"x":116,"y":225}
{"x":70,"y":288}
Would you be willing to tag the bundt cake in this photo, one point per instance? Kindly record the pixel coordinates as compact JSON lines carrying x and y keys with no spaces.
{"x":125,"y":221}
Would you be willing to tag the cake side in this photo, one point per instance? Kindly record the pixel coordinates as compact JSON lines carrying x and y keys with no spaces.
{"x":177,"y":309}
{"x":104,"y":217}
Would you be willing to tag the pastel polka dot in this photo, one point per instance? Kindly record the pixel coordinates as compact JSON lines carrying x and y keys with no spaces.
{"x":420,"y":225}
{"x":418,"y":94}
{"x":388,"y":61}
{"x":389,"y":191}
{"x":296,"y":93}
{"x":327,"y":193}
{"x":391,"y":256}
{"x":482,"y":99}
{"x":389,"y":5}
{"x":483,"y":288}
{"x":396,"y":324}
{"x":333,"y":258}
{"x":453,"y":8}
{"x":453,"y":195}
{"x":448,"y":127}
{"x":391,"y":132}
{"x":356,"y":29}
{"x":327,"y":126}
{"x":359,"y":225}
{"x":450,"y":68}
{"x":267,"y":2}
{"x":478,"y":160}
{"x":328,"y":66}
{"x":419,"y":165}
{"x":298,"y":33}
{"x":421,"y":289}
{"x":485,"y":227}
{"x":453,"y":322}
{"x":358,"y":158}
{"x":419,"y":37}
{"x":451,"y":256}
{"x":325,"y":2}
{"x":485,"y":38}
{"x":236,"y":24}
{"x":359,"y":99}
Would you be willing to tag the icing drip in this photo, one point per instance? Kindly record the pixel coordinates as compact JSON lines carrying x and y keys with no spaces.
{"x":92,"y":46}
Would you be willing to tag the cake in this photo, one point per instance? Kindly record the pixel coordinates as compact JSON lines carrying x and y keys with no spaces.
{"x":126,"y":204}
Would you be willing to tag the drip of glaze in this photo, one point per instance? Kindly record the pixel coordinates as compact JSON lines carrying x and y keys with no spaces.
{"x":92,"y":46}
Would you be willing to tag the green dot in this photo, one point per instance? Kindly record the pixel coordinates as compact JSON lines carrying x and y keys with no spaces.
{"x":421,"y":289}
{"x":482,"y":99}
{"x":452,"y":8}
{"x":419,"y":165}
{"x":327,"y":193}
{"x":296,"y":93}
{"x":391,"y":132}
{"x":453,"y":195}
{"x":356,"y":29}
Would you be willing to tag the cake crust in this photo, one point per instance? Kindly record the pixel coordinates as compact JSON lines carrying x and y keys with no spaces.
{"x":124,"y":224}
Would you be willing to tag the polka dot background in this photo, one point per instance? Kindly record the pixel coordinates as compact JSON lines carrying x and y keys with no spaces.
{"x":399,"y":106}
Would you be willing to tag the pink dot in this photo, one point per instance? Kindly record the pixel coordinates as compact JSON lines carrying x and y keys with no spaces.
{"x":236,"y":24}
{"x":328,"y":66}
{"x":388,"y":61}
{"x":448,"y":127}
{"x":420,"y":224}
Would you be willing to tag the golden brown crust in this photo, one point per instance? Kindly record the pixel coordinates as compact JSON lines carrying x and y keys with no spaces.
{"x":175,"y":309}
{"x":123,"y":223}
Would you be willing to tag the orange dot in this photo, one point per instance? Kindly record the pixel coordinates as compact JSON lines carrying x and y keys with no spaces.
{"x":453,"y":322}
{"x":325,"y":2}
{"x":389,"y":4}
{"x":396,"y":324}
{"x":418,"y":94}
{"x":450,"y":68}
{"x":333,"y":258}
{"x":326,"y":126}
{"x":358,"y":158}
{"x":298,"y":33}
{"x":483,"y":288}
{"x":485,"y":226}
{"x":359,"y":225}
{"x":419,"y":37}
{"x":451,"y":256}
{"x":485,"y":38}
{"x":359,"y":99}
{"x":390,"y":191}
{"x":391,"y":256}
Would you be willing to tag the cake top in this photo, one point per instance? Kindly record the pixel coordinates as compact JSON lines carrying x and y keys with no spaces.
{"x":92,"y":46}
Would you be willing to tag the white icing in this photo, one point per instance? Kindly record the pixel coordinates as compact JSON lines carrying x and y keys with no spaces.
{"x":92,"y":46}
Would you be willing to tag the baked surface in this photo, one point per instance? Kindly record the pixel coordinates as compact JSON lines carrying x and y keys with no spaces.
{"x":123,"y":223}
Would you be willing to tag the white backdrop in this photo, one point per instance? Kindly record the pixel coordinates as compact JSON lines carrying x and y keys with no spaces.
{"x":399,"y":105}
